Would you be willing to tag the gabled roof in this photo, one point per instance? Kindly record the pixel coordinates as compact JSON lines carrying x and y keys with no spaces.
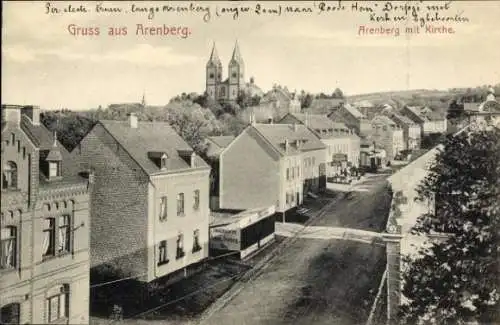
{"x":364,"y":103}
{"x":276,"y":134}
{"x":401,"y":119}
{"x":354,"y":111}
{"x":236,"y":54}
{"x":152,"y":137}
{"x":222,"y":141}
{"x":39,"y":134}
{"x":490,"y":106}
{"x":214,"y":57}
{"x":383,"y":119}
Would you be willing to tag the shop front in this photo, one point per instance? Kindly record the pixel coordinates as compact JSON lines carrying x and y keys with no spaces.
{"x":244,"y":233}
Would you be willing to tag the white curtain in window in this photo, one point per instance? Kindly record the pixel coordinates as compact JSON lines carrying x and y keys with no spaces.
{"x":46,"y":237}
{"x":62,"y":239}
{"x":7,"y":247}
{"x":54,"y":308}
{"x":63,"y":233}
{"x":62,"y":305}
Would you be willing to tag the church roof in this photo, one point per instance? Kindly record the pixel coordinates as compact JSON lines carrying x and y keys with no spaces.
{"x":214,"y":57}
{"x":236,"y":54}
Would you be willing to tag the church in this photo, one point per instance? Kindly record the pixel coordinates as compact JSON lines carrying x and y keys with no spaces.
{"x":228,"y":89}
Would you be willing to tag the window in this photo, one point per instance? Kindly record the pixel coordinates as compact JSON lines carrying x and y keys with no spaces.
{"x":8,"y":248}
{"x":48,"y":237}
{"x":163,"y":162}
{"x":196,"y":241}
{"x":234,"y":75}
{"x":287,"y":198}
{"x":58,"y":304}
{"x":10,"y":314}
{"x":54,"y":169}
{"x":162,"y":253}
{"x":298,"y":171}
{"x":293,"y":173}
{"x":314,"y":161}
{"x":211,"y":76}
{"x":287,"y":173}
{"x":180,"y":246}
{"x":18,"y":146}
{"x":196,"y":204}
{"x":12,"y":138}
{"x":64,"y":234}
{"x":9,"y":175}
{"x":180,"y":204}
{"x":163,"y":208}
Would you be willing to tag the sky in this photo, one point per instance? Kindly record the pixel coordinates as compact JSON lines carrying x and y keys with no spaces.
{"x":43,"y":64}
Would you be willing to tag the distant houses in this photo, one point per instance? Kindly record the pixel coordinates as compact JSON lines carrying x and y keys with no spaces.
{"x":343,"y":145}
{"x":431,"y":121}
{"x":411,"y":130}
{"x":388,"y":135}
{"x":353,"y":118}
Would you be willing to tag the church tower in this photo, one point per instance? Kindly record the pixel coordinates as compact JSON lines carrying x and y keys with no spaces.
{"x":236,"y":73}
{"x":214,"y":74}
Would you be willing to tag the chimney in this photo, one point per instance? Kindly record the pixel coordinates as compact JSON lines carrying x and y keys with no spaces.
{"x":33,"y":112}
{"x":11,"y":114}
{"x":132,"y":118}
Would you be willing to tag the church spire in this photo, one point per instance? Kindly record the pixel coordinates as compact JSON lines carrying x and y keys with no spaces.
{"x":214,"y":56}
{"x":236,"y":53}
{"x":143,"y":102}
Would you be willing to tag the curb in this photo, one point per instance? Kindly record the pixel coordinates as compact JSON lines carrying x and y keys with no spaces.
{"x":251,"y":274}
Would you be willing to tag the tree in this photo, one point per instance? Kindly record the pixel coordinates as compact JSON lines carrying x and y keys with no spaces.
{"x":455,"y":279}
{"x":305,"y":100}
{"x":455,"y":110}
{"x":245,"y":100}
{"x":337,"y":93}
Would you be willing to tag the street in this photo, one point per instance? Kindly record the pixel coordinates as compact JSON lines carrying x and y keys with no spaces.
{"x":320,"y":281}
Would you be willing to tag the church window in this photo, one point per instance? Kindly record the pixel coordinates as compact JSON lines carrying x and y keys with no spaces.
{"x":211,"y":76}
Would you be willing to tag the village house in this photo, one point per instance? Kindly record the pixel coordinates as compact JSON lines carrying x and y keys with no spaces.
{"x":353,"y":118}
{"x":325,"y":105}
{"x":44,"y":226}
{"x":411,"y":130}
{"x":151,"y":196}
{"x":271,"y":165}
{"x":430,"y":121}
{"x":387,"y":135}
{"x":487,"y":111}
{"x":343,"y":145}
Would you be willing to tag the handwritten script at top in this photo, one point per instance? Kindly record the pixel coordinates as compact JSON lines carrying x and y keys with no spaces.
{"x":415,"y":12}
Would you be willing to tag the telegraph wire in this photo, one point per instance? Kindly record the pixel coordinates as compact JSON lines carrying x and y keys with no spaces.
{"x":209,"y":259}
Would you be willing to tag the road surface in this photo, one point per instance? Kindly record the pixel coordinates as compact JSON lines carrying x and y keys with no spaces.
{"x":319,"y":281}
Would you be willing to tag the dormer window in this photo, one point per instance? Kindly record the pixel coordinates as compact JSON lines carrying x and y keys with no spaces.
{"x":54,"y":169}
{"x":163,"y":161}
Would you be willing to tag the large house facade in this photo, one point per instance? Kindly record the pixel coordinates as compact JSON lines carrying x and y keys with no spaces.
{"x":430,"y":121}
{"x":44,"y":253}
{"x":151,"y":196}
{"x":353,"y":118}
{"x":411,"y":130}
{"x":271,"y":165}
{"x":387,"y":135}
